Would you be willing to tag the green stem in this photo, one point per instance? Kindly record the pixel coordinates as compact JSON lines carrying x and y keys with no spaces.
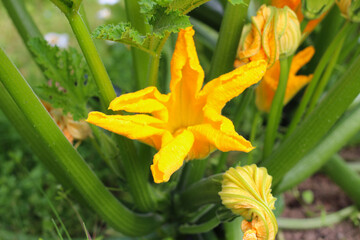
{"x":307,"y":135}
{"x":355,"y":166}
{"x":97,"y":68}
{"x":276,"y":109}
{"x":140,"y":58}
{"x":63,"y":158}
{"x":155,"y":61}
{"x":201,"y":193}
{"x":318,"y":222}
{"x":193,"y":172}
{"x":254,"y":128}
{"x":137,"y":172}
{"x":336,"y":139}
{"x":233,"y":229}
{"x":199,"y":228}
{"x":222,"y":162}
{"x":326,"y":77}
{"x":337,"y":169}
{"x":229,"y":36}
{"x":247,"y":96}
{"x":21,"y":19}
{"x":317,"y":74}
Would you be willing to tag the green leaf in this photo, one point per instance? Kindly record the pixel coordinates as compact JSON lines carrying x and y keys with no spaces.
{"x":124,"y":33}
{"x":235,"y":2}
{"x":70,"y":83}
{"x":162,"y":23}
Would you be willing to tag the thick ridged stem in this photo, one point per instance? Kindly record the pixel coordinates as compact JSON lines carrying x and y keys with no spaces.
{"x":65,"y":159}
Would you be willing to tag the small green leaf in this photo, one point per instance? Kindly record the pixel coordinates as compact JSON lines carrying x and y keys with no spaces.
{"x":70,"y":84}
{"x":124,"y":33}
{"x":235,"y":2}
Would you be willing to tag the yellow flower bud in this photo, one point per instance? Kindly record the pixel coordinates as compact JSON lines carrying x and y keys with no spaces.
{"x":350,"y":9}
{"x":275,"y":33}
{"x":246,"y":191}
{"x":314,"y":9}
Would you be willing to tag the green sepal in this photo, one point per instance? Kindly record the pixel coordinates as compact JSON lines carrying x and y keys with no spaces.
{"x":69,"y":78}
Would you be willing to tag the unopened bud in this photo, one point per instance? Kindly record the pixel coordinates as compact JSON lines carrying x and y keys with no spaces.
{"x":350,"y":9}
{"x":275,"y":33}
{"x":314,"y":9}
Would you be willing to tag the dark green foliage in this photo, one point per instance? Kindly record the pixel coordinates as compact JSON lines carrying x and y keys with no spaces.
{"x":70,"y":84}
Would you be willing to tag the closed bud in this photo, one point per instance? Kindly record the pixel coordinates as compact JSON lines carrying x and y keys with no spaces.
{"x":315,"y":8}
{"x":246,"y":191}
{"x":350,"y":9}
{"x":275,"y":33}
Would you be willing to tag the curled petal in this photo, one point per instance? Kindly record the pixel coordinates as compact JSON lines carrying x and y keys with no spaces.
{"x":223,"y":138}
{"x":186,"y":73}
{"x":148,"y":100}
{"x":141,"y":127}
{"x":246,"y":191}
{"x":171,"y":156}
{"x":222,"y":89}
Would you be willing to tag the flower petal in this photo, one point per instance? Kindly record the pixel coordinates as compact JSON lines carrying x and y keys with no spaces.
{"x":141,"y":127}
{"x":222,"y":89}
{"x":171,"y":156}
{"x":148,"y":100}
{"x":186,"y":73}
{"x":223,"y":136}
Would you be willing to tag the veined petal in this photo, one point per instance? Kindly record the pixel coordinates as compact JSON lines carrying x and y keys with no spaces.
{"x":141,"y":127}
{"x":148,"y":100}
{"x":222,"y":89}
{"x":223,"y":139}
{"x":186,"y":73}
{"x":171,"y":156}
{"x":300,"y":59}
{"x":266,"y":90}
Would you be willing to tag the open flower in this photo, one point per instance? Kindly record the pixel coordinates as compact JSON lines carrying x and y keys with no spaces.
{"x":295,"y":5}
{"x":246,"y":191}
{"x":186,"y":123}
{"x":275,"y":33}
{"x":265,"y":91}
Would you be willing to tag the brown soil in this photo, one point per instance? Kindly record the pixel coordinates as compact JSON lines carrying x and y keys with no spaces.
{"x":327,"y":197}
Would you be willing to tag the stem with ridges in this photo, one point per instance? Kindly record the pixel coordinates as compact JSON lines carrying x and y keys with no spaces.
{"x":97,"y":68}
{"x":140,"y":58}
{"x":345,"y":177}
{"x":336,"y":139}
{"x":312,"y":223}
{"x":21,"y":19}
{"x":229,"y":36}
{"x":276,"y":109}
{"x":327,"y":74}
{"x":317,"y":74}
{"x":307,"y":135}
{"x":71,"y":165}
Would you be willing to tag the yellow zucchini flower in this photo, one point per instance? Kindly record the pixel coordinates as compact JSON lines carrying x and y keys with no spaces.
{"x":275,"y":33}
{"x":186,"y":123}
{"x":265,"y":91}
{"x":350,"y":9}
{"x":246,"y":191}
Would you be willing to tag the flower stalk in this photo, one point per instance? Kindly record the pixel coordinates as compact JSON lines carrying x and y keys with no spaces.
{"x":228,"y":41}
{"x":276,"y":109}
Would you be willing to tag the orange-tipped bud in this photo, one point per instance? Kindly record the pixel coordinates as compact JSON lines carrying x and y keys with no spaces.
{"x":350,"y":9}
{"x":275,"y":33}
